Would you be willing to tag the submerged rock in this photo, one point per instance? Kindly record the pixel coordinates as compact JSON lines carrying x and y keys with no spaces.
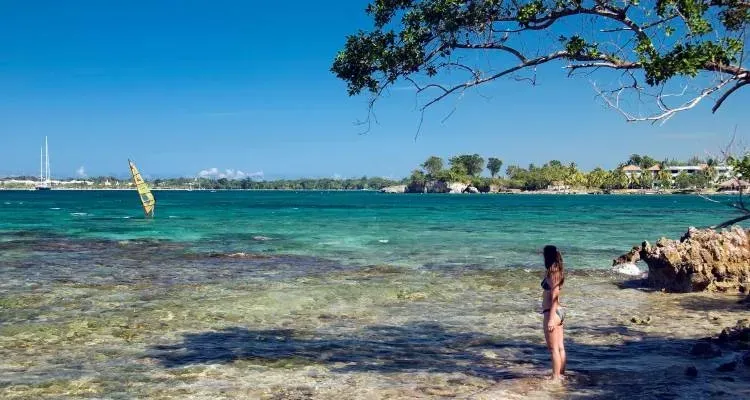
{"x":641,"y":321}
{"x":727,"y":367}
{"x":737,"y":335}
{"x":705,"y":349}
{"x":703,"y":259}
{"x":691,"y":371}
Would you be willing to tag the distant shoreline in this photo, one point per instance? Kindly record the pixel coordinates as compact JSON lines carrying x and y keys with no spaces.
{"x":628,"y":192}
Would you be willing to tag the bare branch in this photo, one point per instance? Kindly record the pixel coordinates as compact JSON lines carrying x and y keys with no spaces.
{"x":494,"y":46}
{"x":728,"y":93}
{"x":667,"y":112}
{"x":644,"y":27}
{"x":731,"y":222}
{"x":479,"y":81}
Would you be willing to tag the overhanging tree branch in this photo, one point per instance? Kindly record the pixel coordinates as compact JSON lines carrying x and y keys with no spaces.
{"x":661,"y":40}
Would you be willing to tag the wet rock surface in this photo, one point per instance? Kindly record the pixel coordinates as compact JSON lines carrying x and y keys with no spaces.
{"x":703,"y":259}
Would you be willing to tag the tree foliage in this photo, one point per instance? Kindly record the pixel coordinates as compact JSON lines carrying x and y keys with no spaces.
{"x":683,"y":180}
{"x":741,"y":166}
{"x":444,"y":47}
{"x":472,"y":163}
{"x":433,"y":165}
{"x":494,"y":165}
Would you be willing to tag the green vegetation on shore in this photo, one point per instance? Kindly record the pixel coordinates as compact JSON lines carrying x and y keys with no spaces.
{"x":108,"y":182}
{"x":463,"y":168}
{"x":554,"y":174}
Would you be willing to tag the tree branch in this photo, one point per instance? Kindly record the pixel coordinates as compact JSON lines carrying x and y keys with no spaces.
{"x":479,"y":81}
{"x":667,"y":112}
{"x":731,"y":222}
{"x":728,"y":93}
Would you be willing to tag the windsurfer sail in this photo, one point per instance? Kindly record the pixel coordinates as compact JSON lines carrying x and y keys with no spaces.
{"x":147,"y":199}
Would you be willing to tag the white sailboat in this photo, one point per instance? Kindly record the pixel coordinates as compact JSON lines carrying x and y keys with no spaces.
{"x":44,"y":179}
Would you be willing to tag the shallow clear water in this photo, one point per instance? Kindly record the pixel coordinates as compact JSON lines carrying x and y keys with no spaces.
{"x":339,"y":295}
{"x":365,"y":228}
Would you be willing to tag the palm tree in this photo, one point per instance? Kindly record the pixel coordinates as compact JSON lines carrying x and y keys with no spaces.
{"x":665,"y":178}
{"x":710,"y":171}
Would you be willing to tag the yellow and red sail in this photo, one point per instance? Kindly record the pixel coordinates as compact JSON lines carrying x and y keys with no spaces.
{"x":147,"y":199}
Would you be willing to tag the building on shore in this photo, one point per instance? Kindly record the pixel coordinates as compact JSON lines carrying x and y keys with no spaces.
{"x":722,"y":171}
{"x":632,"y":171}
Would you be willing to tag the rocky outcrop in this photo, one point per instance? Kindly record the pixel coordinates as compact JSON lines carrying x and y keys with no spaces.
{"x":631,"y":257}
{"x":457,"y":187}
{"x":437,"y":187}
{"x":416,"y":187}
{"x":394,"y":189}
{"x":703,"y":259}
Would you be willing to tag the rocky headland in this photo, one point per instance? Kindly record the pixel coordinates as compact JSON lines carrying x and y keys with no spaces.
{"x":433,"y":186}
{"x":702,"y":259}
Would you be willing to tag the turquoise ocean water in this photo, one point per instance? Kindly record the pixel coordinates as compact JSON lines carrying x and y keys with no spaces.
{"x":370,"y":228}
{"x":339,"y":295}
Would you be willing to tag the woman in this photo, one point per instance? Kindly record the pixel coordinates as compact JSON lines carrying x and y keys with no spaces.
{"x":554,"y":315}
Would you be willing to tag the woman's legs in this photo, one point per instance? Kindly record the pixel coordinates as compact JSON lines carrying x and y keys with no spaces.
{"x":561,"y":349}
{"x":553,"y":339}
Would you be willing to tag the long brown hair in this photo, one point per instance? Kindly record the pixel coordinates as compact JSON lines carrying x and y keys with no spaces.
{"x":553,"y":262}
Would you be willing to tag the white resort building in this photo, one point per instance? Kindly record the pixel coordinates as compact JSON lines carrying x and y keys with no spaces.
{"x":722,"y":171}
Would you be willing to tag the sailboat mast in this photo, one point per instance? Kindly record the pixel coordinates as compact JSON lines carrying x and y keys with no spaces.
{"x":46,"y":153}
{"x":41,"y":164}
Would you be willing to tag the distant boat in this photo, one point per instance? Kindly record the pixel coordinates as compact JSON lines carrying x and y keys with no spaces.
{"x":44,"y":181}
{"x":147,"y":199}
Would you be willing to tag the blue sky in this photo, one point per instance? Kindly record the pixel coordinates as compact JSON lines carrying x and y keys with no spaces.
{"x":182,"y":87}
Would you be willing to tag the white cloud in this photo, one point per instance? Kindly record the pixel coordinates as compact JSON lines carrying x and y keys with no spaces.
{"x":81,"y":172}
{"x":229,"y":173}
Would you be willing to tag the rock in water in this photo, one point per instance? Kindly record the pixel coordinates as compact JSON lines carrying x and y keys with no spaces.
{"x":394,"y":189}
{"x":457,"y":187}
{"x":703,"y":259}
{"x":691,"y":371}
{"x":705,"y":349}
{"x":740,"y":333}
{"x":727,"y":367}
{"x":631,"y":257}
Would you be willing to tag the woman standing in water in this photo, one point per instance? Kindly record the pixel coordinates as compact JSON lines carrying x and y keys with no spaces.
{"x":554,"y":315}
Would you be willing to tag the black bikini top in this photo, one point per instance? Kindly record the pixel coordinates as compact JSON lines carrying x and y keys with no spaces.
{"x":545,"y":285}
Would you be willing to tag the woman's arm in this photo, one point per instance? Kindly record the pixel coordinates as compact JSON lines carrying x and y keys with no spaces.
{"x":554,"y":303}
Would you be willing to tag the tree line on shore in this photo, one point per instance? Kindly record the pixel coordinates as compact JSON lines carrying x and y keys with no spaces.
{"x":467,"y":168}
{"x":109,"y":182}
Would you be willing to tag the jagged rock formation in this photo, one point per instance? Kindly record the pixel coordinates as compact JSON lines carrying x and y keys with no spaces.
{"x":436,"y":186}
{"x":703,"y":259}
{"x":394,"y":189}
